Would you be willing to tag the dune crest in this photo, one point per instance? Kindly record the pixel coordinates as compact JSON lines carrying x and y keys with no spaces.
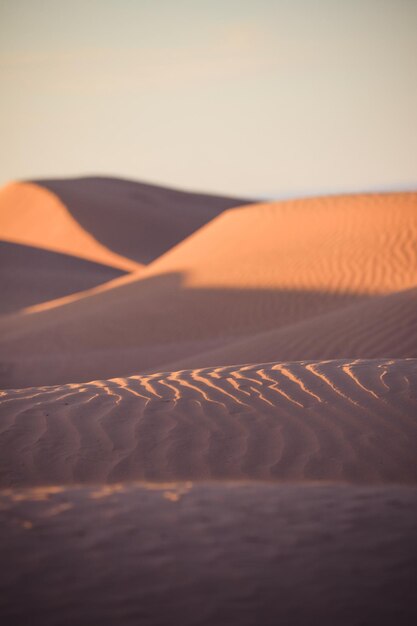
{"x":34,"y":216}
{"x":258,"y":269}
{"x":137,"y":220}
{"x":350,"y":421}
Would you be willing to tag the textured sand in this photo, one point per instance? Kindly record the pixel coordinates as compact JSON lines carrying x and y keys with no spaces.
{"x":146,"y":475}
{"x":374,"y":328}
{"x":256,"y":269}
{"x":335,"y":420}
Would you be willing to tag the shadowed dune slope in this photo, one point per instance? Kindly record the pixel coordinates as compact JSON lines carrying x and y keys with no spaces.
{"x":30,"y":276}
{"x":251,"y":270}
{"x":215,"y":554}
{"x":116,"y":222}
{"x":34,"y":216}
{"x":353,"y":421}
{"x":134,"y":219}
{"x":382,"y":326}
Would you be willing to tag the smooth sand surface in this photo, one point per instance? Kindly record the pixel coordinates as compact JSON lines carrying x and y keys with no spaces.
{"x":117,"y":222}
{"x":30,"y":276}
{"x":147,"y":476}
{"x":32,"y":215}
{"x":135,"y":219}
{"x":257,"y":269}
{"x":216,"y":554}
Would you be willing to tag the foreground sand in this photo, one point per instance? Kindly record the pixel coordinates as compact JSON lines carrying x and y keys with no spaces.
{"x":301,"y":548}
{"x":212,"y":554}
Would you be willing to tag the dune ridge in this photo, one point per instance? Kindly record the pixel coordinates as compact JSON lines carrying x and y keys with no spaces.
{"x":349,"y":421}
{"x":31,"y":276}
{"x":34,"y":216}
{"x":138,"y":220}
{"x":251,"y":270}
{"x":377,"y":327}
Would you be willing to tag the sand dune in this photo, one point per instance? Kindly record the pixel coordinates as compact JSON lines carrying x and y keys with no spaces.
{"x":209,"y":554}
{"x":116,"y":222}
{"x":377,"y":327}
{"x":134,"y":219}
{"x":281,"y":491}
{"x":33,"y":216}
{"x":251,"y":270}
{"x":350,"y":421}
{"x":30,"y":276}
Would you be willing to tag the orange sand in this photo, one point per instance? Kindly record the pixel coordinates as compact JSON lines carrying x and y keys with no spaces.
{"x":277,"y":278}
{"x":224,"y":434}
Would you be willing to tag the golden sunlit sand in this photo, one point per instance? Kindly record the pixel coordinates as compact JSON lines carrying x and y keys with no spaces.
{"x":294,"y":272}
{"x":349,"y":421}
{"x":218,"y":396}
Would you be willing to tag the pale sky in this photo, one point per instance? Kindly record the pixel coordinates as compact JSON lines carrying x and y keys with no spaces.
{"x":251,"y":97}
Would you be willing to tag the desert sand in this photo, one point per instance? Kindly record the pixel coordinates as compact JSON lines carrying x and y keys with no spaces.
{"x":208,"y":411}
{"x":338,"y":265}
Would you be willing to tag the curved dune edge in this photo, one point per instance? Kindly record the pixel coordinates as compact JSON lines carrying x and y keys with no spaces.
{"x":137,"y":220}
{"x":33,"y":277}
{"x":258,"y":269}
{"x":32,"y":215}
{"x":372,"y":328}
{"x":350,"y":421}
{"x":209,"y":554}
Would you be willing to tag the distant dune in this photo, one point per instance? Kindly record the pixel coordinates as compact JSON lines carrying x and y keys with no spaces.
{"x":209,"y":410}
{"x":118,"y":224}
{"x":34,"y":216}
{"x":133,"y":219}
{"x":30,"y":276}
{"x":258,"y":269}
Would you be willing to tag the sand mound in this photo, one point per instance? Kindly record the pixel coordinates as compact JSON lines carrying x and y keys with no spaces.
{"x":134,"y":219}
{"x":335,"y":420}
{"x":378,"y":327}
{"x":221,"y":554}
{"x":33,"y":216}
{"x":30,"y":276}
{"x":251,"y":270}
{"x":115,"y":222}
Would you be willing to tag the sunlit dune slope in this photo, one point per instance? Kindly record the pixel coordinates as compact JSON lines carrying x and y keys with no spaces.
{"x":112,"y":221}
{"x":34,"y":216}
{"x":251,"y":270}
{"x":353,"y":244}
{"x":352,"y":421}
{"x":255,"y":269}
{"x":135,"y":219}
{"x":30,"y":276}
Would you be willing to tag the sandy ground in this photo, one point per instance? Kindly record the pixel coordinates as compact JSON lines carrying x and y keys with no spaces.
{"x":218,"y":553}
{"x":334,"y":420}
{"x":209,"y":410}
